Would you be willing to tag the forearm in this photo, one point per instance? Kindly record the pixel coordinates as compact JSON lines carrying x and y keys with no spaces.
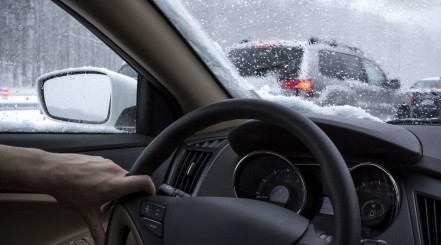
{"x":81,"y":182}
{"x":24,"y":169}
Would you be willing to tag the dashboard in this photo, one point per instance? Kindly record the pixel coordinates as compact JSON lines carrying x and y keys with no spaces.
{"x":263,"y":162}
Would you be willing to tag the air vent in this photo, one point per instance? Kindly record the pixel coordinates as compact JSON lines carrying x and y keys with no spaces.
{"x":209,"y":143}
{"x":429,"y":210}
{"x":190,"y":169}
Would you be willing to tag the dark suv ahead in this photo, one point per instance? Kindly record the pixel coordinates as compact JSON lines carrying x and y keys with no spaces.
{"x":329,"y":72}
{"x":423,"y":100}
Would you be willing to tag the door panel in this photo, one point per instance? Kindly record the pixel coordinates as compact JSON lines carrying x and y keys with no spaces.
{"x":39,"y":219}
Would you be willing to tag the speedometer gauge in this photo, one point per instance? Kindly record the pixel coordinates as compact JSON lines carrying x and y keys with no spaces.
{"x":270,"y":177}
{"x":283,"y":187}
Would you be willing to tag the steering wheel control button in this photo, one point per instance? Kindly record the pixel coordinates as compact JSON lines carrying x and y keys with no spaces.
{"x":152,"y":211}
{"x":147,"y":209}
{"x":154,"y":226}
{"x":158,"y":212}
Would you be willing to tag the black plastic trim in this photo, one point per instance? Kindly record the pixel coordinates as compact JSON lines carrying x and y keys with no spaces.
{"x":75,"y":142}
{"x":387,"y":142}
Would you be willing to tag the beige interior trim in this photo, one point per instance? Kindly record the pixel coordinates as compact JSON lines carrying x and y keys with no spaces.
{"x":19,"y":197}
{"x":120,"y":227}
{"x":39,"y":219}
{"x":135,"y":23}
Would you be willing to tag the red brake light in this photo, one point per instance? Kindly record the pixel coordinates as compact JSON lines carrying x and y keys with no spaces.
{"x":288,"y":83}
{"x":305,"y":85}
{"x":299,"y":84}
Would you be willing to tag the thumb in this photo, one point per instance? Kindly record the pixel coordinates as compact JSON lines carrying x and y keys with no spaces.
{"x":93,"y":221}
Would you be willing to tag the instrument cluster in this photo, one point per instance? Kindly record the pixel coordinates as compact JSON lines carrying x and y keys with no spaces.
{"x":270,"y":177}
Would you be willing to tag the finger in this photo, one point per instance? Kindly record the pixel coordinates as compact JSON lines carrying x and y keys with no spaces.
{"x":135,"y":183}
{"x":145,"y":182}
{"x":106,"y":206}
{"x":93,"y":221}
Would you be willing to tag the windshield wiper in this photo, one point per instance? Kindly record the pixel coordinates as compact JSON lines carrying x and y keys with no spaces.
{"x":416,"y":121}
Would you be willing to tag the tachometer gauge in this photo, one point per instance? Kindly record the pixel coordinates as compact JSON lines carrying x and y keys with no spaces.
{"x":378,"y":197}
{"x":270,"y":177}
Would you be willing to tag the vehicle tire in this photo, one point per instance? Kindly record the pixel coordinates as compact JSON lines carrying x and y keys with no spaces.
{"x":403,"y":111}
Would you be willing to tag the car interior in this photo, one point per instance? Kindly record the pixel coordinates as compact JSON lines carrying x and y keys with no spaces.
{"x":232,"y":171}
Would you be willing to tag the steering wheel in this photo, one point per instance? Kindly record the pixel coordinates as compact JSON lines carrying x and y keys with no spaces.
{"x":154,"y":219}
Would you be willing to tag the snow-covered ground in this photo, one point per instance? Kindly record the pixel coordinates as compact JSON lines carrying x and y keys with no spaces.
{"x":34,"y":121}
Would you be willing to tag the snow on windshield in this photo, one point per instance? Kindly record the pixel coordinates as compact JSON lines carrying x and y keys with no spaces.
{"x":359,"y":60}
{"x":210,"y":51}
{"x":266,"y":89}
{"x":303,"y":106}
{"x":401,"y":35}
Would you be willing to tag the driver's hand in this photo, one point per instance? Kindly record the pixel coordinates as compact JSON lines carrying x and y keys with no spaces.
{"x":89,"y":185}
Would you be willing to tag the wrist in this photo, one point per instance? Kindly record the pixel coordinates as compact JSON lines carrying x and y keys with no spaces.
{"x":46,"y":174}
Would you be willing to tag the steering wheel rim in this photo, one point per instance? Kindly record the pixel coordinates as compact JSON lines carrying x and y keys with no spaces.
{"x":336,"y":177}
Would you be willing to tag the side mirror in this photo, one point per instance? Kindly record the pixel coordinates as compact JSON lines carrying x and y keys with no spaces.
{"x":393,"y":84}
{"x":86,"y":95}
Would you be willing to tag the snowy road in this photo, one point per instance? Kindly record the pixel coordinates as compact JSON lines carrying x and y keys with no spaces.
{"x":34,"y":121}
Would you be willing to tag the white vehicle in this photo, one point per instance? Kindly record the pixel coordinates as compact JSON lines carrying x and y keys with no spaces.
{"x":327,"y":72}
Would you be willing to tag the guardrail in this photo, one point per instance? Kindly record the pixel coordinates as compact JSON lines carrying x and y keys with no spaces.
{"x":18,"y":106}
{"x":18,"y":99}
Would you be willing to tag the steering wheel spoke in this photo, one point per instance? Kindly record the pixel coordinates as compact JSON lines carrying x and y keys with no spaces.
{"x":211,"y":220}
{"x":313,"y":236}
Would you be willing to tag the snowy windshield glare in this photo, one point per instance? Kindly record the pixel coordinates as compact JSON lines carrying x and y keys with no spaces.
{"x":356,"y":58}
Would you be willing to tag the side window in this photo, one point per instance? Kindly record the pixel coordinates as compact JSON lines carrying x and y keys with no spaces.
{"x":128,"y":71}
{"x":340,"y":66}
{"x":374,"y":74}
{"x":56,"y":76}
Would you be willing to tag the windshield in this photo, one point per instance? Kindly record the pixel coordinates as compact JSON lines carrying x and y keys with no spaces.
{"x":348,"y":58}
